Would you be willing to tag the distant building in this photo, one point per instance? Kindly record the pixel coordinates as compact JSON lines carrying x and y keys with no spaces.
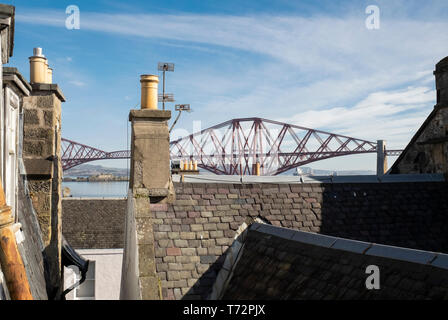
{"x":103,"y":276}
{"x":95,"y":228}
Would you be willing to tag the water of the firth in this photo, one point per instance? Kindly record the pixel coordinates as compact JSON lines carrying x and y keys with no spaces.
{"x":100,"y":189}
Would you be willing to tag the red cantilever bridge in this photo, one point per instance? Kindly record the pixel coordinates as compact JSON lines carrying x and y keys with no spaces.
{"x":234,"y":146}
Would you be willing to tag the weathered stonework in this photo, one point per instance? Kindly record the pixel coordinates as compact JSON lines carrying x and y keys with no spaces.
{"x":139,"y":278}
{"x":427,"y":152}
{"x":150,"y":153}
{"x":150,"y":182}
{"x":7,"y":24}
{"x":42,"y":158}
{"x":40,"y":144}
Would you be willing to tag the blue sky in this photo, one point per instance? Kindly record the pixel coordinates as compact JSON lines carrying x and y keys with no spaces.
{"x":311,"y":63}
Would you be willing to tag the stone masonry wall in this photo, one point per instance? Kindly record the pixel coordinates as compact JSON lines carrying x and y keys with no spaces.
{"x":94,"y":223}
{"x":428,"y":150}
{"x":271,"y":267}
{"x":192,"y":235}
{"x":42,"y":159}
{"x":42,"y":114}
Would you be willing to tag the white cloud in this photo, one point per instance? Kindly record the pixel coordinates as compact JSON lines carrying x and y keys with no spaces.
{"x":303,"y":69}
{"x":78,"y":83}
{"x":316,"y":43}
{"x":390,"y":115}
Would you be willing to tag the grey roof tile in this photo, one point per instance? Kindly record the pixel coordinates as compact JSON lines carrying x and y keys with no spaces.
{"x":403,"y":254}
{"x":351,"y":245}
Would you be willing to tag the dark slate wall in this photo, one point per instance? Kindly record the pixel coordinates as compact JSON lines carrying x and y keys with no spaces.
{"x":94,"y":223}
{"x":274,"y":268}
{"x":193,"y":234}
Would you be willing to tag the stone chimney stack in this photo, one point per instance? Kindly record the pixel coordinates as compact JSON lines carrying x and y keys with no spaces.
{"x":441,"y":74}
{"x":150,"y":185}
{"x":42,"y":159}
{"x":150,"y":146}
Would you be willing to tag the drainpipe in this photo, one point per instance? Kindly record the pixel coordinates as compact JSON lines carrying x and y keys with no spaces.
{"x":10,"y":259}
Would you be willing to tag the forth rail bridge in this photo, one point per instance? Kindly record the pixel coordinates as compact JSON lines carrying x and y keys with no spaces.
{"x":234,"y":146}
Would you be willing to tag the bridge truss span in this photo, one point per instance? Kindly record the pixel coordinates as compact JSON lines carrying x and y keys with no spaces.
{"x":75,"y":153}
{"x":235,"y":147}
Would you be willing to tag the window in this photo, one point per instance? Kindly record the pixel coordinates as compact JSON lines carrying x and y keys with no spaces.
{"x":10,"y":168}
{"x":86,"y":291}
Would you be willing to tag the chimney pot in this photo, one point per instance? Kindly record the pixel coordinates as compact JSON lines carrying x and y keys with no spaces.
{"x":49,"y":75}
{"x":149,"y":93}
{"x":38,"y":67}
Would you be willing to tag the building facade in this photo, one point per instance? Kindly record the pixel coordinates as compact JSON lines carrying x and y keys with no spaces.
{"x":94,"y":227}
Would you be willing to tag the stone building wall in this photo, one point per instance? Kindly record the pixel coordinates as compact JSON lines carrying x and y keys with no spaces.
{"x":277,"y":264}
{"x":41,"y":143}
{"x":94,"y":223}
{"x":191,"y":236}
{"x":42,"y":159}
{"x":427,"y":152}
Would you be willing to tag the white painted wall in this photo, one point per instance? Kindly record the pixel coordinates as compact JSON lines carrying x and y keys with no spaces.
{"x":107,"y":273}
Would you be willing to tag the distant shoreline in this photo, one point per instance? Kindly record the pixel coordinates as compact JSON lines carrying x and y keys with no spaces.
{"x":95,"y":179}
